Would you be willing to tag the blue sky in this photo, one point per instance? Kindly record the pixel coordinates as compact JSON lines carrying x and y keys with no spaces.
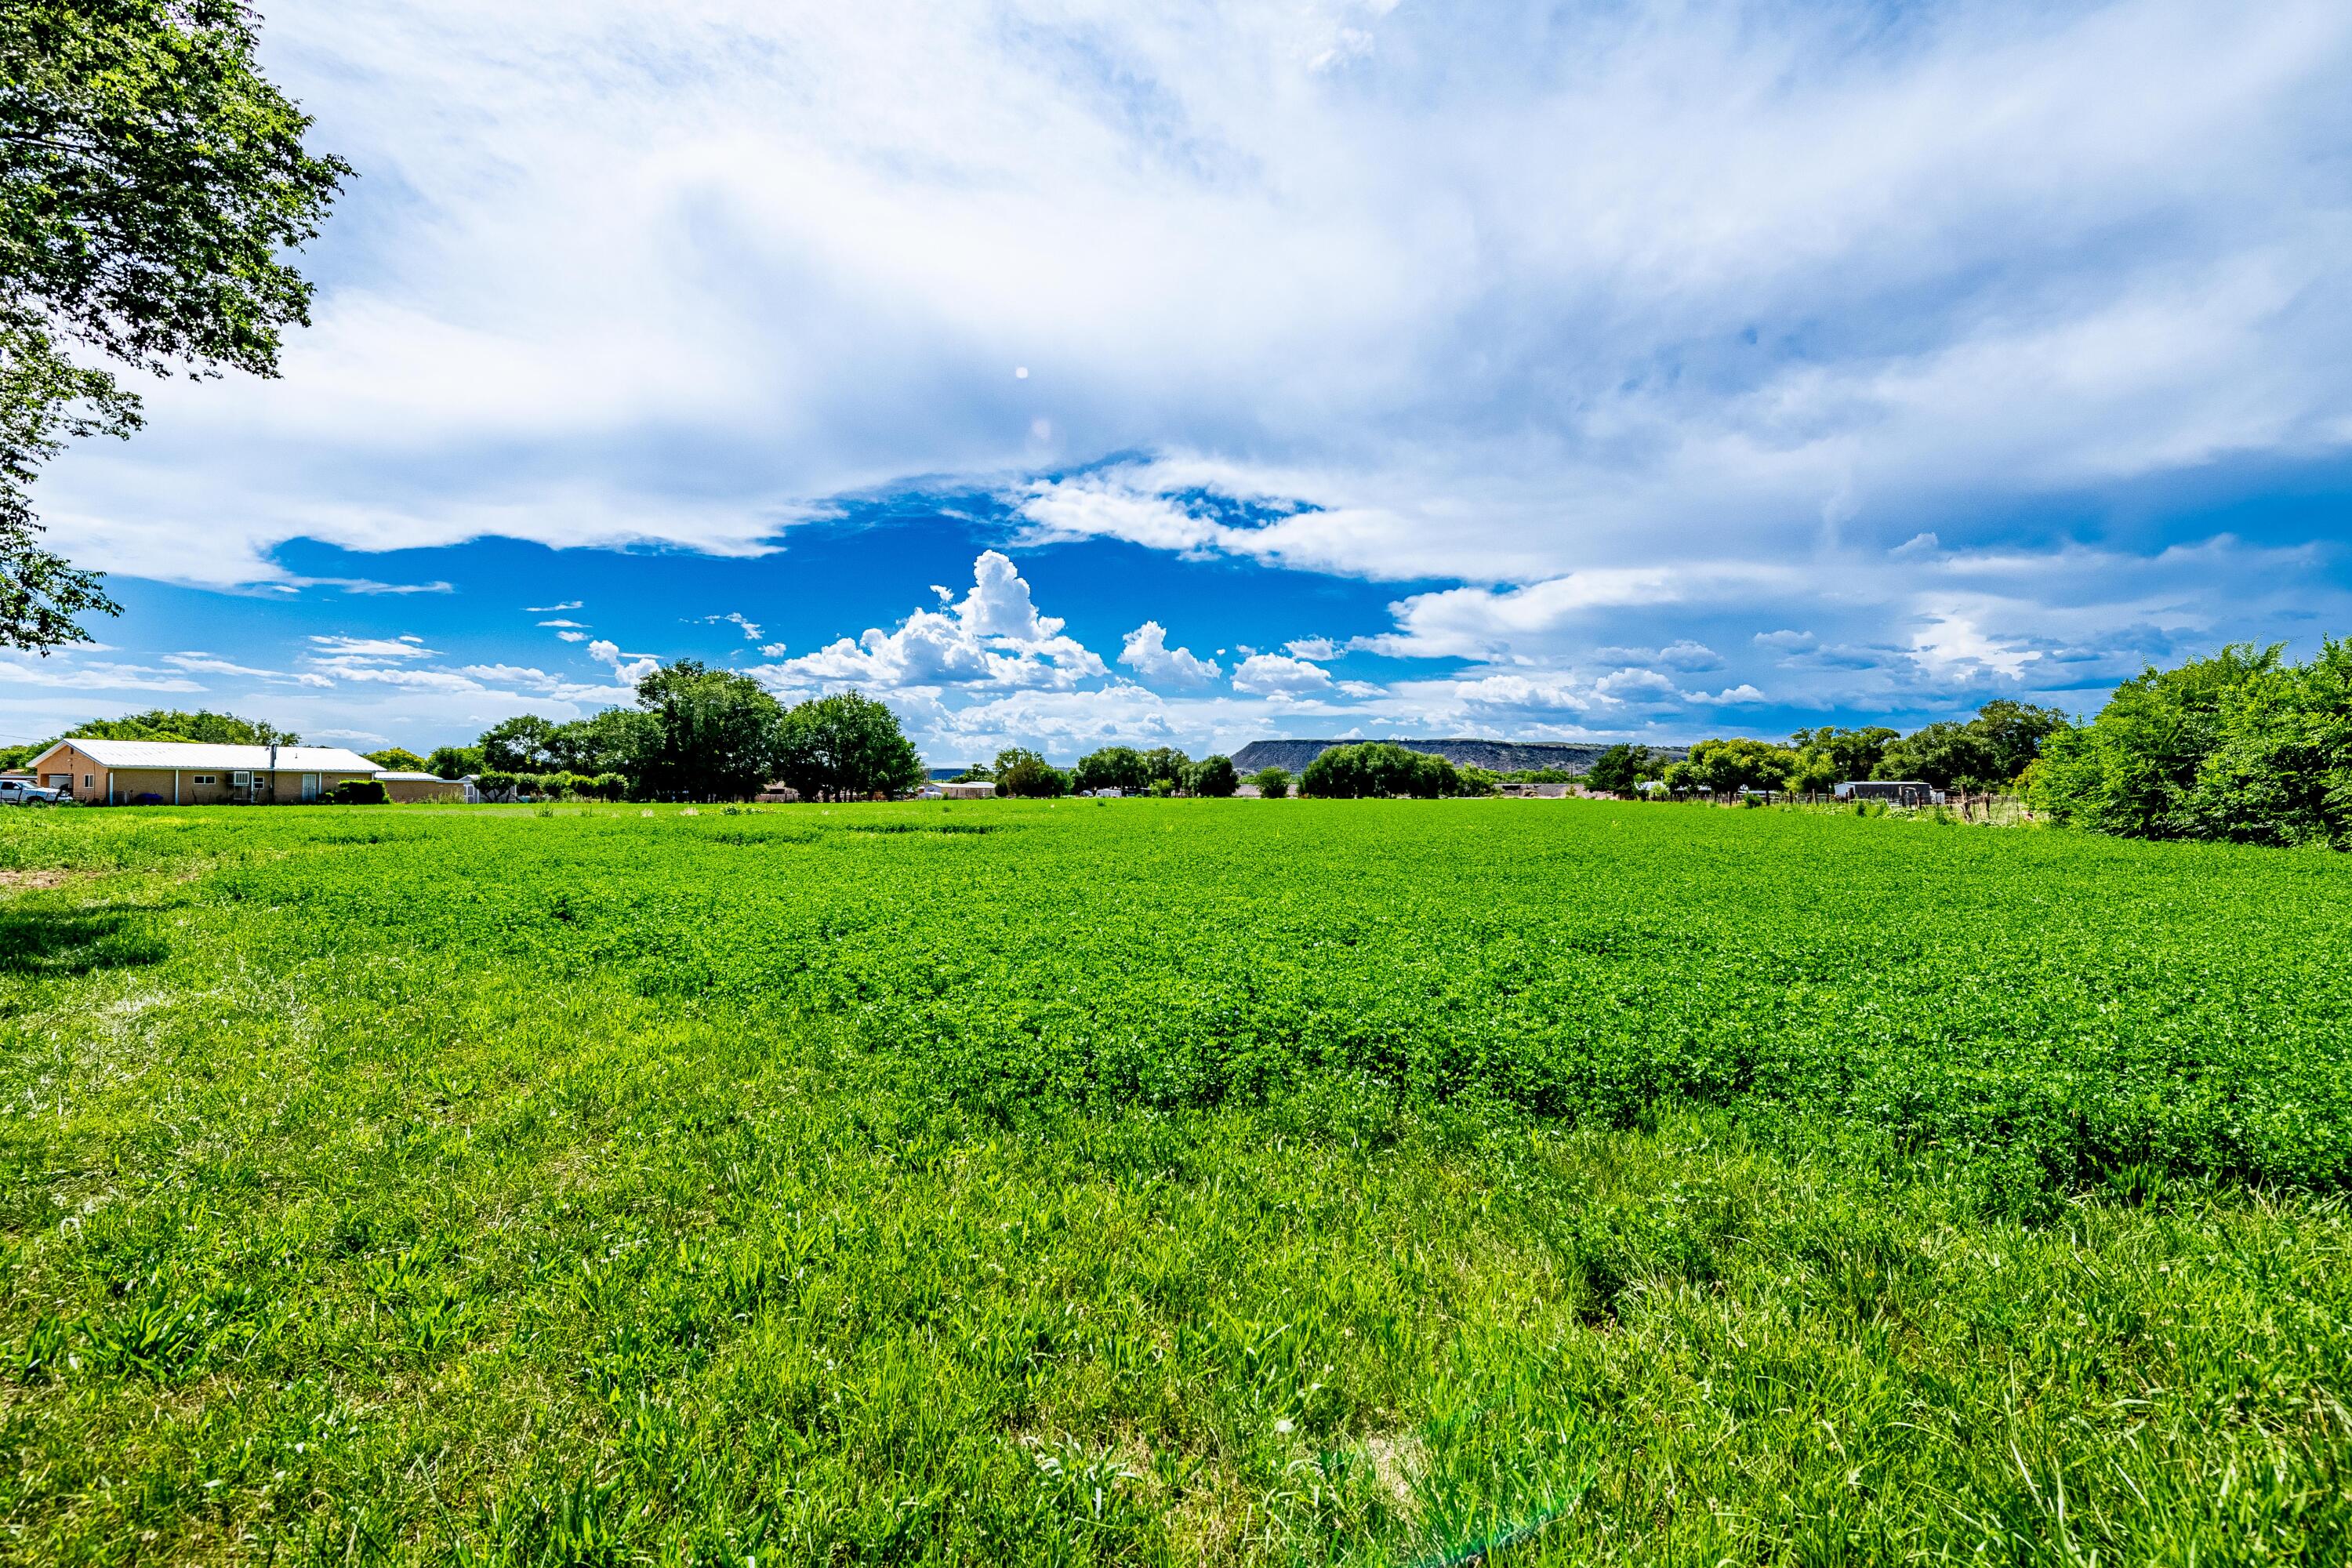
{"x":1064,"y":374}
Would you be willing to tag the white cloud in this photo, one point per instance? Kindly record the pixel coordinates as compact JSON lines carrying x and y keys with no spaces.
{"x":552,"y":609}
{"x":992,"y":637}
{"x":343,"y":647}
{"x":572,"y":637}
{"x":58,"y":674}
{"x":628,"y":669}
{"x":1274,"y":674}
{"x":563,"y":623}
{"x":750,"y":629}
{"x":1146,"y":651}
{"x":1470,"y":302}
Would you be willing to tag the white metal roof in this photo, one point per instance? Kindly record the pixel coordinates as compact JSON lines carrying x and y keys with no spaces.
{"x":184,"y":754}
{"x":414,"y":778}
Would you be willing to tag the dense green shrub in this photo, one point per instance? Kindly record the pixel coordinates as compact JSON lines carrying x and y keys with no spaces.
{"x":360,"y":792}
{"x":2241,"y":746}
{"x":1273,"y":784}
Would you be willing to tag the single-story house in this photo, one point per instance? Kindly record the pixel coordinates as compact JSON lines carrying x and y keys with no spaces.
{"x":981,"y":791}
{"x":401,"y":788}
{"x":183,"y":773}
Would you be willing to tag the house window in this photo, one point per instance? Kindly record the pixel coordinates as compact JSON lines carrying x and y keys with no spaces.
{"x":208,"y":778}
{"x":241,"y":780}
{"x":85,"y":782}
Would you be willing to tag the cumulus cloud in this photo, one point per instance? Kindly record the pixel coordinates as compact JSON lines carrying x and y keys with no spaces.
{"x":992,"y":637}
{"x":1279,"y":675}
{"x":1146,"y":651}
{"x":628,"y":669}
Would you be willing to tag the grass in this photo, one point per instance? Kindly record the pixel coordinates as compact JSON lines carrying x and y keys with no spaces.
{"x":1167,"y":1181}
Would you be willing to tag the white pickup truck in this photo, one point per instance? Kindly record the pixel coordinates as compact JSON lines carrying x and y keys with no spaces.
{"x":24,"y":792}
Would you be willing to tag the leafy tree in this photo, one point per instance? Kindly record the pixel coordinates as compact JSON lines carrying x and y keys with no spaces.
{"x":1165,"y":764}
{"x":1828,"y":755}
{"x":521,"y":744}
{"x":1213,"y":777}
{"x":1727,"y":767}
{"x":1121,"y":768}
{"x":1620,"y":770}
{"x":453,"y":762}
{"x":397,"y":759}
{"x":715,"y":735}
{"x":846,"y":747}
{"x":152,"y":183}
{"x":1031,"y":778}
{"x":163,"y":724}
{"x":1273,"y":782}
{"x":203,"y":725}
{"x":1377,"y":768}
{"x":2011,"y":734}
{"x":613,"y":740}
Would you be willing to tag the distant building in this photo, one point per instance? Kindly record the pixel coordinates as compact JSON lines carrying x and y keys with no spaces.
{"x":185,"y":772}
{"x":1894,"y":792}
{"x":982,"y":790}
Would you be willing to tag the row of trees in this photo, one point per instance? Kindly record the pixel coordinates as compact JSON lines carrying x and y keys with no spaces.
{"x":1023,"y":773}
{"x":699,"y":734}
{"x":1991,"y":752}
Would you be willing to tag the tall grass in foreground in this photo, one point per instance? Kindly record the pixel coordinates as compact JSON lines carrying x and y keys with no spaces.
{"x":362,"y":1204}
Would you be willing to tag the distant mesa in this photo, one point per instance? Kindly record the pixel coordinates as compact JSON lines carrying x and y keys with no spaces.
{"x":1498,"y":756}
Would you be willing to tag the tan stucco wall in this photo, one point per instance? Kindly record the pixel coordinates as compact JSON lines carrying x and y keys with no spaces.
{"x":106,"y":784}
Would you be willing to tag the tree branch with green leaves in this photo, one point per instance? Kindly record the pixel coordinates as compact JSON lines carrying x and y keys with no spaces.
{"x":152,"y":183}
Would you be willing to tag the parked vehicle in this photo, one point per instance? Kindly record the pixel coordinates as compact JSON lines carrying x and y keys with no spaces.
{"x":24,"y":792}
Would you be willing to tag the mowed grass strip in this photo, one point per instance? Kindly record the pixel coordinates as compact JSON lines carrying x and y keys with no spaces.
{"x":1166,"y":1182}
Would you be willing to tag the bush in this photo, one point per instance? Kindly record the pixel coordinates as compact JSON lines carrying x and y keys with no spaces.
{"x":2241,"y":746}
{"x":494,"y":785}
{"x":1273,"y":784}
{"x":360,"y":792}
{"x":609,"y":786}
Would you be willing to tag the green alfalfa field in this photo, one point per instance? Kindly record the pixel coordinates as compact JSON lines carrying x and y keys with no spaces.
{"x":1168,"y":1181}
